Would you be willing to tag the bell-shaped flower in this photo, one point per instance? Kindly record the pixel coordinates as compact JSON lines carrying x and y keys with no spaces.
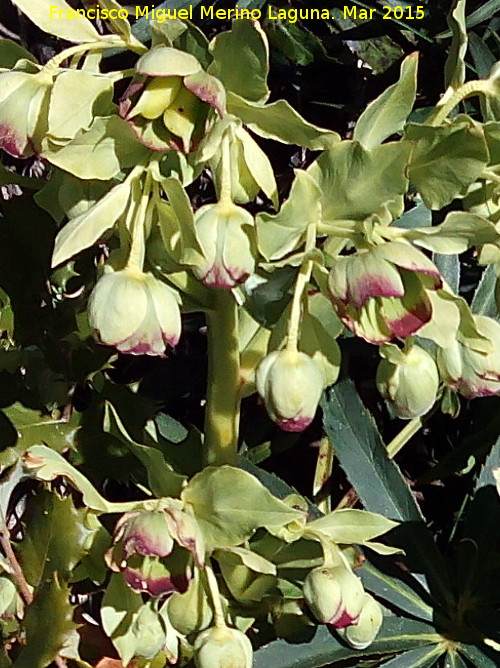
{"x":334,"y":595}
{"x":362,"y":634}
{"x":381,"y":293}
{"x":224,"y":232}
{"x":154,"y":550}
{"x":408,"y":379}
{"x":222,"y":647}
{"x":471,"y":372}
{"x":134,"y":312}
{"x":24,"y":102}
{"x":291,"y":383}
{"x":169,"y":105}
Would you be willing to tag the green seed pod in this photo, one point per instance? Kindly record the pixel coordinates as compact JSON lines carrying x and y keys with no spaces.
{"x":291,"y":383}
{"x":362,"y":634}
{"x":222,"y":648}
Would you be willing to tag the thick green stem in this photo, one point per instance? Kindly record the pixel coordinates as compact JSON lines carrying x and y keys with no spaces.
{"x":223,"y":393}
{"x":469,"y":89}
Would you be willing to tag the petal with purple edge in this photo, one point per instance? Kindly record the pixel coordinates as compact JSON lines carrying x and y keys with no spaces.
{"x":371,"y":276}
{"x":407,"y":315}
{"x":410,"y":258}
{"x":344,"y":620}
{"x":208,"y":89}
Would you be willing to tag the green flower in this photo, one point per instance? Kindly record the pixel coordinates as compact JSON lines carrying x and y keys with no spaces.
{"x":381,"y":293}
{"x":470,"y":372}
{"x":169,"y":105}
{"x":222,"y":647}
{"x":334,"y":595}
{"x":362,"y":634}
{"x":409,"y":379}
{"x":225,"y":234}
{"x":291,"y":383}
{"x":135,"y":312}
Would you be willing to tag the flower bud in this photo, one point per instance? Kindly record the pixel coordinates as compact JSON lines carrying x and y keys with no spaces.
{"x":291,"y":383}
{"x":222,"y":647}
{"x":409,"y":381}
{"x":470,"y":372}
{"x":224,"y":231}
{"x":334,"y":595}
{"x":362,"y":634}
{"x":134,"y":312}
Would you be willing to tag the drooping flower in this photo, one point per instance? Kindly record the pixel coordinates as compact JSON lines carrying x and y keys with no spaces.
{"x":362,"y":634}
{"x":222,"y":647}
{"x":334,"y":595}
{"x":169,"y":105}
{"x":24,"y":102}
{"x":225,"y":234}
{"x":154,"y":550}
{"x":409,"y":379}
{"x":291,"y":383}
{"x":471,"y":372}
{"x":135,"y":312}
{"x":381,"y":293}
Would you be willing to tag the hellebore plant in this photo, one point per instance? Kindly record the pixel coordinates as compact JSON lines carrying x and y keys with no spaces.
{"x":210,"y":553}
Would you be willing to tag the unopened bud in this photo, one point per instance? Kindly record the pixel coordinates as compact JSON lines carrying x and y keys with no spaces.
{"x":334,"y":595}
{"x":222,"y":648}
{"x":291,"y":383}
{"x":362,"y":634}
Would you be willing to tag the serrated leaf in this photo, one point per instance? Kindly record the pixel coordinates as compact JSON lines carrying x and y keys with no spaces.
{"x":231,"y":504}
{"x":459,"y":231}
{"x":363,"y":456}
{"x":421,"y":657}
{"x":388,"y":113}
{"x":55,"y":21}
{"x":484,"y":302}
{"x":48,"y":621}
{"x":163,"y":480}
{"x":31,"y":427}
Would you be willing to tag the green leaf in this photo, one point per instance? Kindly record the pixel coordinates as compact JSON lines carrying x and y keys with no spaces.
{"x":387,"y":114}
{"x":356,"y":182}
{"x":181,"y":208}
{"x":119,"y":610}
{"x":72,"y":102}
{"x":281,"y":233}
{"x":281,"y":122}
{"x":421,"y":657}
{"x":352,"y":526}
{"x":320,"y":327}
{"x":323,"y":649}
{"x":231,"y":504}
{"x":48,"y":621}
{"x":84,"y":230}
{"x":459,"y":232}
{"x":162,"y":479}
{"x":57,"y":21}
{"x":248,"y":40}
{"x":449,"y":268}
{"x":100,"y":152}
{"x":30,"y":427}
{"x":45,"y":464}
{"x":479,"y":656}
{"x":399,"y":594}
{"x":454,"y":69}
{"x":484,"y":302}
{"x":55,"y":538}
{"x":11,"y":52}
{"x":363,"y":456}
{"x":454,"y":660}
{"x":446,"y":159}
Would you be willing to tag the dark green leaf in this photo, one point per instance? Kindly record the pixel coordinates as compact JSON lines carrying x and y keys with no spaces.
{"x":421,"y":657}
